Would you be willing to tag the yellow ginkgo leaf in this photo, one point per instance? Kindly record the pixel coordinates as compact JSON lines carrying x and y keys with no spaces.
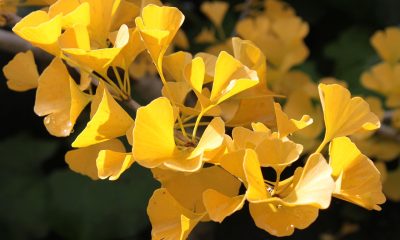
{"x":298,"y":103}
{"x":99,"y":59}
{"x":280,"y":220}
{"x":256,"y":188}
{"x":125,"y":13}
{"x":210,"y":61}
{"x":383,"y":78}
{"x":59,"y":97}
{"x":153,"y":134}
{"x":215,"y":11}
{"x":178,"y":92}
{"x":219,"y":206}
{"x":288,"y":126}
{"x":111,"y":164}
{"x":260,"y":127}
{"x":386,"y":44}
{"x":83,"y":160}
{"x":233,"y":163}
{"x":109,"y":121}
{"x":231,"y":78}
{"x":194,"y":74}
{"x":174,"y":65}
{"x":188,"y":189}
{"x":130,"y":50}
{"x":251,"y":56}
{"x":158,"y":26}
{"x":40,"y":30}
{"x":73,"y":12}
{"x":242,"y":112}
{"x":357,"y":179}
{"x":244,"y":138}
{"x":101,"y":15}
{"x":212,"y":137}
{"x":169,"y":219}
{"x":315,"y":185}
{"x":76,"y":37}
{"x":344,"y":115}
{"x":277,"y":153}
{"x":18,"y":80}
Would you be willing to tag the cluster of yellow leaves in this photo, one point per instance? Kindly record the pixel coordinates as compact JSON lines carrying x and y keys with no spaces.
{"x":217,"y":125}
{"x":384,"y":78}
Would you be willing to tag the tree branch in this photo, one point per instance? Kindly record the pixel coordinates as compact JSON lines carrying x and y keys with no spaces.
{"x":11,"y":43}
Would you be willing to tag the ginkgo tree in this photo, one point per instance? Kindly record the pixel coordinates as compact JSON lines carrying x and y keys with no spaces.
{"x":219,"y":122}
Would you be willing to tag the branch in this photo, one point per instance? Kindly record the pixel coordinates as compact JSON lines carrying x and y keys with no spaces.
{"x":11,"y":43}
{"x":132,"y":104}
{"x":388,"y":132}
{"x":11,"y":19}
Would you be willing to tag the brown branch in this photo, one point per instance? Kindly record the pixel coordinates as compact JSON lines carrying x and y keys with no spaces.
{"x":11,"y":43}
{"x":11,"y":19}
{"x":132,"y":104}
{"x":388,"y":132}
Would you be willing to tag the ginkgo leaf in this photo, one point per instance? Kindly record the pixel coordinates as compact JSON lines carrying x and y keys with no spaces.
{"x":99,"y":59}
{"x":344,"y":115}
{"x":40,"y":30}
{"x":244,"y":138}
{"x":288,"y":126}
{"x":133,"y":47}
{"x":278,"y":154}
{"x":158,"y":26}
{"x":194,"y":74}
{"x":383,"y":78}
{"x":108,"y":121}
{"x":251,"y":56}
{"x":169,"y":219}
{"x":212,"y":137}
{"x":101,"y":15}
{"x":386,"y":44}
{"x":25,"y":80}
{"x":59,"y":97}
{"x":111,"y":164}
{"x":315,"y":185}
{"x":219,"y":206}
{"x":153,"y":134}
{"x":280,"y":220}
{"x":73,"y":12}
{"x":83,"y":160}
{"x":188,"y":189}
{"x":76,"y":37}
{"x":256,"y":188}
{"x":233,"y":163}
{"x":215,"y":11}
{"x":357,"y":179}
{"x":175,"y":63}
{"x":231,"y":78}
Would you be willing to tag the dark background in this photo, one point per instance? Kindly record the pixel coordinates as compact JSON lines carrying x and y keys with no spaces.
{"x":40,"y":198}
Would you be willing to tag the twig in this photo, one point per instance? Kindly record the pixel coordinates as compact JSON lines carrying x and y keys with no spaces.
{"x":132,"y":104}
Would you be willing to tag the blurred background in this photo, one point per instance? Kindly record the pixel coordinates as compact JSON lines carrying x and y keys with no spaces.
{"x":40,"y":198}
